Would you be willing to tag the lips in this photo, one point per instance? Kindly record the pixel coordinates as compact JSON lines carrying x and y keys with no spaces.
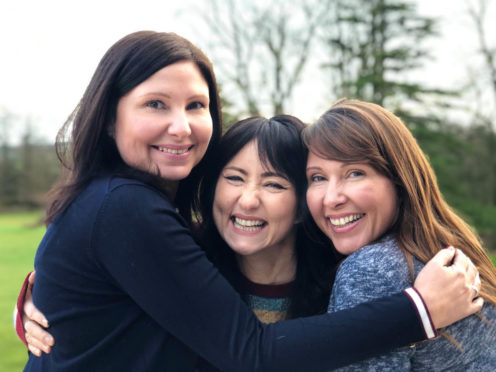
{"x":174,"y":150}
{"x":248,"y":224}
{"x":344,"y":221}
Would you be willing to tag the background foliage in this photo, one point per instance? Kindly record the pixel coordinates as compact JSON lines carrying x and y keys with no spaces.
{"x":367,"y":50}
{"x":264,"y":51}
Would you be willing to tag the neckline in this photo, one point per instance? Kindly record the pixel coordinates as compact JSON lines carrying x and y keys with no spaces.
{"x":267,"y":290}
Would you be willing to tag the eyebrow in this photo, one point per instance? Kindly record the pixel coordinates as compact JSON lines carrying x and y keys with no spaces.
{"x":345,"y":164}
{"x":194,"y":96}
{"x":156,"y":94}
{"x":264,"y":174}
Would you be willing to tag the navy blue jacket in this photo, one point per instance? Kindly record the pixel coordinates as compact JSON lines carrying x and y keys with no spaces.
{"x":125,"y":288}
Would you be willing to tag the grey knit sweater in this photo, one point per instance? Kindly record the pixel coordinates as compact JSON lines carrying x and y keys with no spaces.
{"x":381,"y":269}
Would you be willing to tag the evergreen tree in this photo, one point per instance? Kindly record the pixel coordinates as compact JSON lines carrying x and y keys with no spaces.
{"x":372,"y":45}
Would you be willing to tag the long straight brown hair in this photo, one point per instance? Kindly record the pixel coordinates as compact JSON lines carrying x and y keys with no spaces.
{"x":355,"y":131}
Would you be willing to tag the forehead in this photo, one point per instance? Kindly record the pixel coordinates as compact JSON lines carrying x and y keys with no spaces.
{"x":315,"y":158}
{"x":179,"y":77}
{"x":317,"y":162}
{"x":248,"y":158}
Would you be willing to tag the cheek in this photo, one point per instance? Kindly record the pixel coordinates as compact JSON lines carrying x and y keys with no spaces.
{"x":205,"y":131}
{"x":219,"y":204}
{"x":314,"y":203}
{"x":217,"y":217}
{"x":123,"y":146}
{"x":391,"y":212}
{"x":288,"y":214}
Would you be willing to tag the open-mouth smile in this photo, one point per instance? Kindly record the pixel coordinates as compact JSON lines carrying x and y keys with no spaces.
{"x":173,"y":151}
{"x":248,"y":225}
{"x":344,"y":221}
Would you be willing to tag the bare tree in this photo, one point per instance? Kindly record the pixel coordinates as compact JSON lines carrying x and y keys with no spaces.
{"x":477,"y":13}
{"x":9,"y":176}
{"x":262,"y":49}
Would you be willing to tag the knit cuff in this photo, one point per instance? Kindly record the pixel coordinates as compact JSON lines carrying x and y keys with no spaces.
{"x":422,"y":312}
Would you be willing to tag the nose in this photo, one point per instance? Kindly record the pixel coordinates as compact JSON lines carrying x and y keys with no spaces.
{"x":249,"y":198}
{"x":179,"y":126}
{"x":334,"y":196}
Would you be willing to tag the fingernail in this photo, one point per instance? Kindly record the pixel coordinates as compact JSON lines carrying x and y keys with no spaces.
{"x":450,"y":247}
{"x":48,"y":340}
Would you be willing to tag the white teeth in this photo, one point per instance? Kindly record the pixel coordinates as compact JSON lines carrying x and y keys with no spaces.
{"x":340,"y":222}
{"x":173,"y":151}
{"x":248,"y":225}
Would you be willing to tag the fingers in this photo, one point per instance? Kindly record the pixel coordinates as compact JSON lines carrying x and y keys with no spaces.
{"x":476,"y":286}
{"x":445,"y":256}
{"x":448,"y":284}
{"x":477,"y":280}
{"x":34,"y":350}
{"x":477,"y":304}
{"x":472,"y":278}
{"x":31,"y":278}
{"x":32,"y":312}
{"x":37,"y":337}
{"x":462,"y":261}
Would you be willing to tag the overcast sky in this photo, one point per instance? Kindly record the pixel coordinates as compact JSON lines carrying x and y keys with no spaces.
{"x":50,"y":48}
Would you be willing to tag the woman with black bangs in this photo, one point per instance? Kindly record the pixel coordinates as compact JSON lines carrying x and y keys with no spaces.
{"x":258,"y":174}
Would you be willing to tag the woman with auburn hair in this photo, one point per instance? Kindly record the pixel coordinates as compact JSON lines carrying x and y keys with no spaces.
{"x":374,"y":194}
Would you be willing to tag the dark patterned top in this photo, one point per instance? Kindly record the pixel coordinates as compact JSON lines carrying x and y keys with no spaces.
{"x":269,"y":302}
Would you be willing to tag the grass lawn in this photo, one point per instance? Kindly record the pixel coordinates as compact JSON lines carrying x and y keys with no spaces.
{"x":19,"y":238}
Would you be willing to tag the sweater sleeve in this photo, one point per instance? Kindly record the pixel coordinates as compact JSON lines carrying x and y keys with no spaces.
{"x":18,"y":326}
{"x":372,"y":272}
{"x":145,"y":247}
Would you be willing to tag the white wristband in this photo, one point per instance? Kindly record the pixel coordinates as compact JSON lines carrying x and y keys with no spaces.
{"x":422,"y":311}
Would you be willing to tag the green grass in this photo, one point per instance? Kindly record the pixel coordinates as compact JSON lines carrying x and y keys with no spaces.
{"x":19,"y":237}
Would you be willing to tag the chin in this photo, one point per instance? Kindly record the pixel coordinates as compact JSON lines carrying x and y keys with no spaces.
{"x":347,"y":249}
{"x":244,"y":251}
{"x":174,"y":175}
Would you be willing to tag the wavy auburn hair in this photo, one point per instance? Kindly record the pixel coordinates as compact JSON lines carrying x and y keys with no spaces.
{"x":355,"y":131}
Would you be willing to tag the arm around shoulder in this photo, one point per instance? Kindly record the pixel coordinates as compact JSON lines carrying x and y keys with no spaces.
{"x":143,"y":244}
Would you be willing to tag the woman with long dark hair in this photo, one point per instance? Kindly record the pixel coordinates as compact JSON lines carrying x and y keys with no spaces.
{"x":253,"y":212}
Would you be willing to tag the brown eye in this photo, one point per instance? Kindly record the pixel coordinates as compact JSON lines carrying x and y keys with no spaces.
{"x":195,"y":106}
{"x":356,"y":173}
{"x":316,"y":178}
{"x":234,"y":178}
{"x":275,"y":185}
{"x":155,"y":104}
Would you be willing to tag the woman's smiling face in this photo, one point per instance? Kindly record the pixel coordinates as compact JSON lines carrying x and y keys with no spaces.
{"x":254,"y":207}
{"x":351,"y":203}
{"x":164,"y":125}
